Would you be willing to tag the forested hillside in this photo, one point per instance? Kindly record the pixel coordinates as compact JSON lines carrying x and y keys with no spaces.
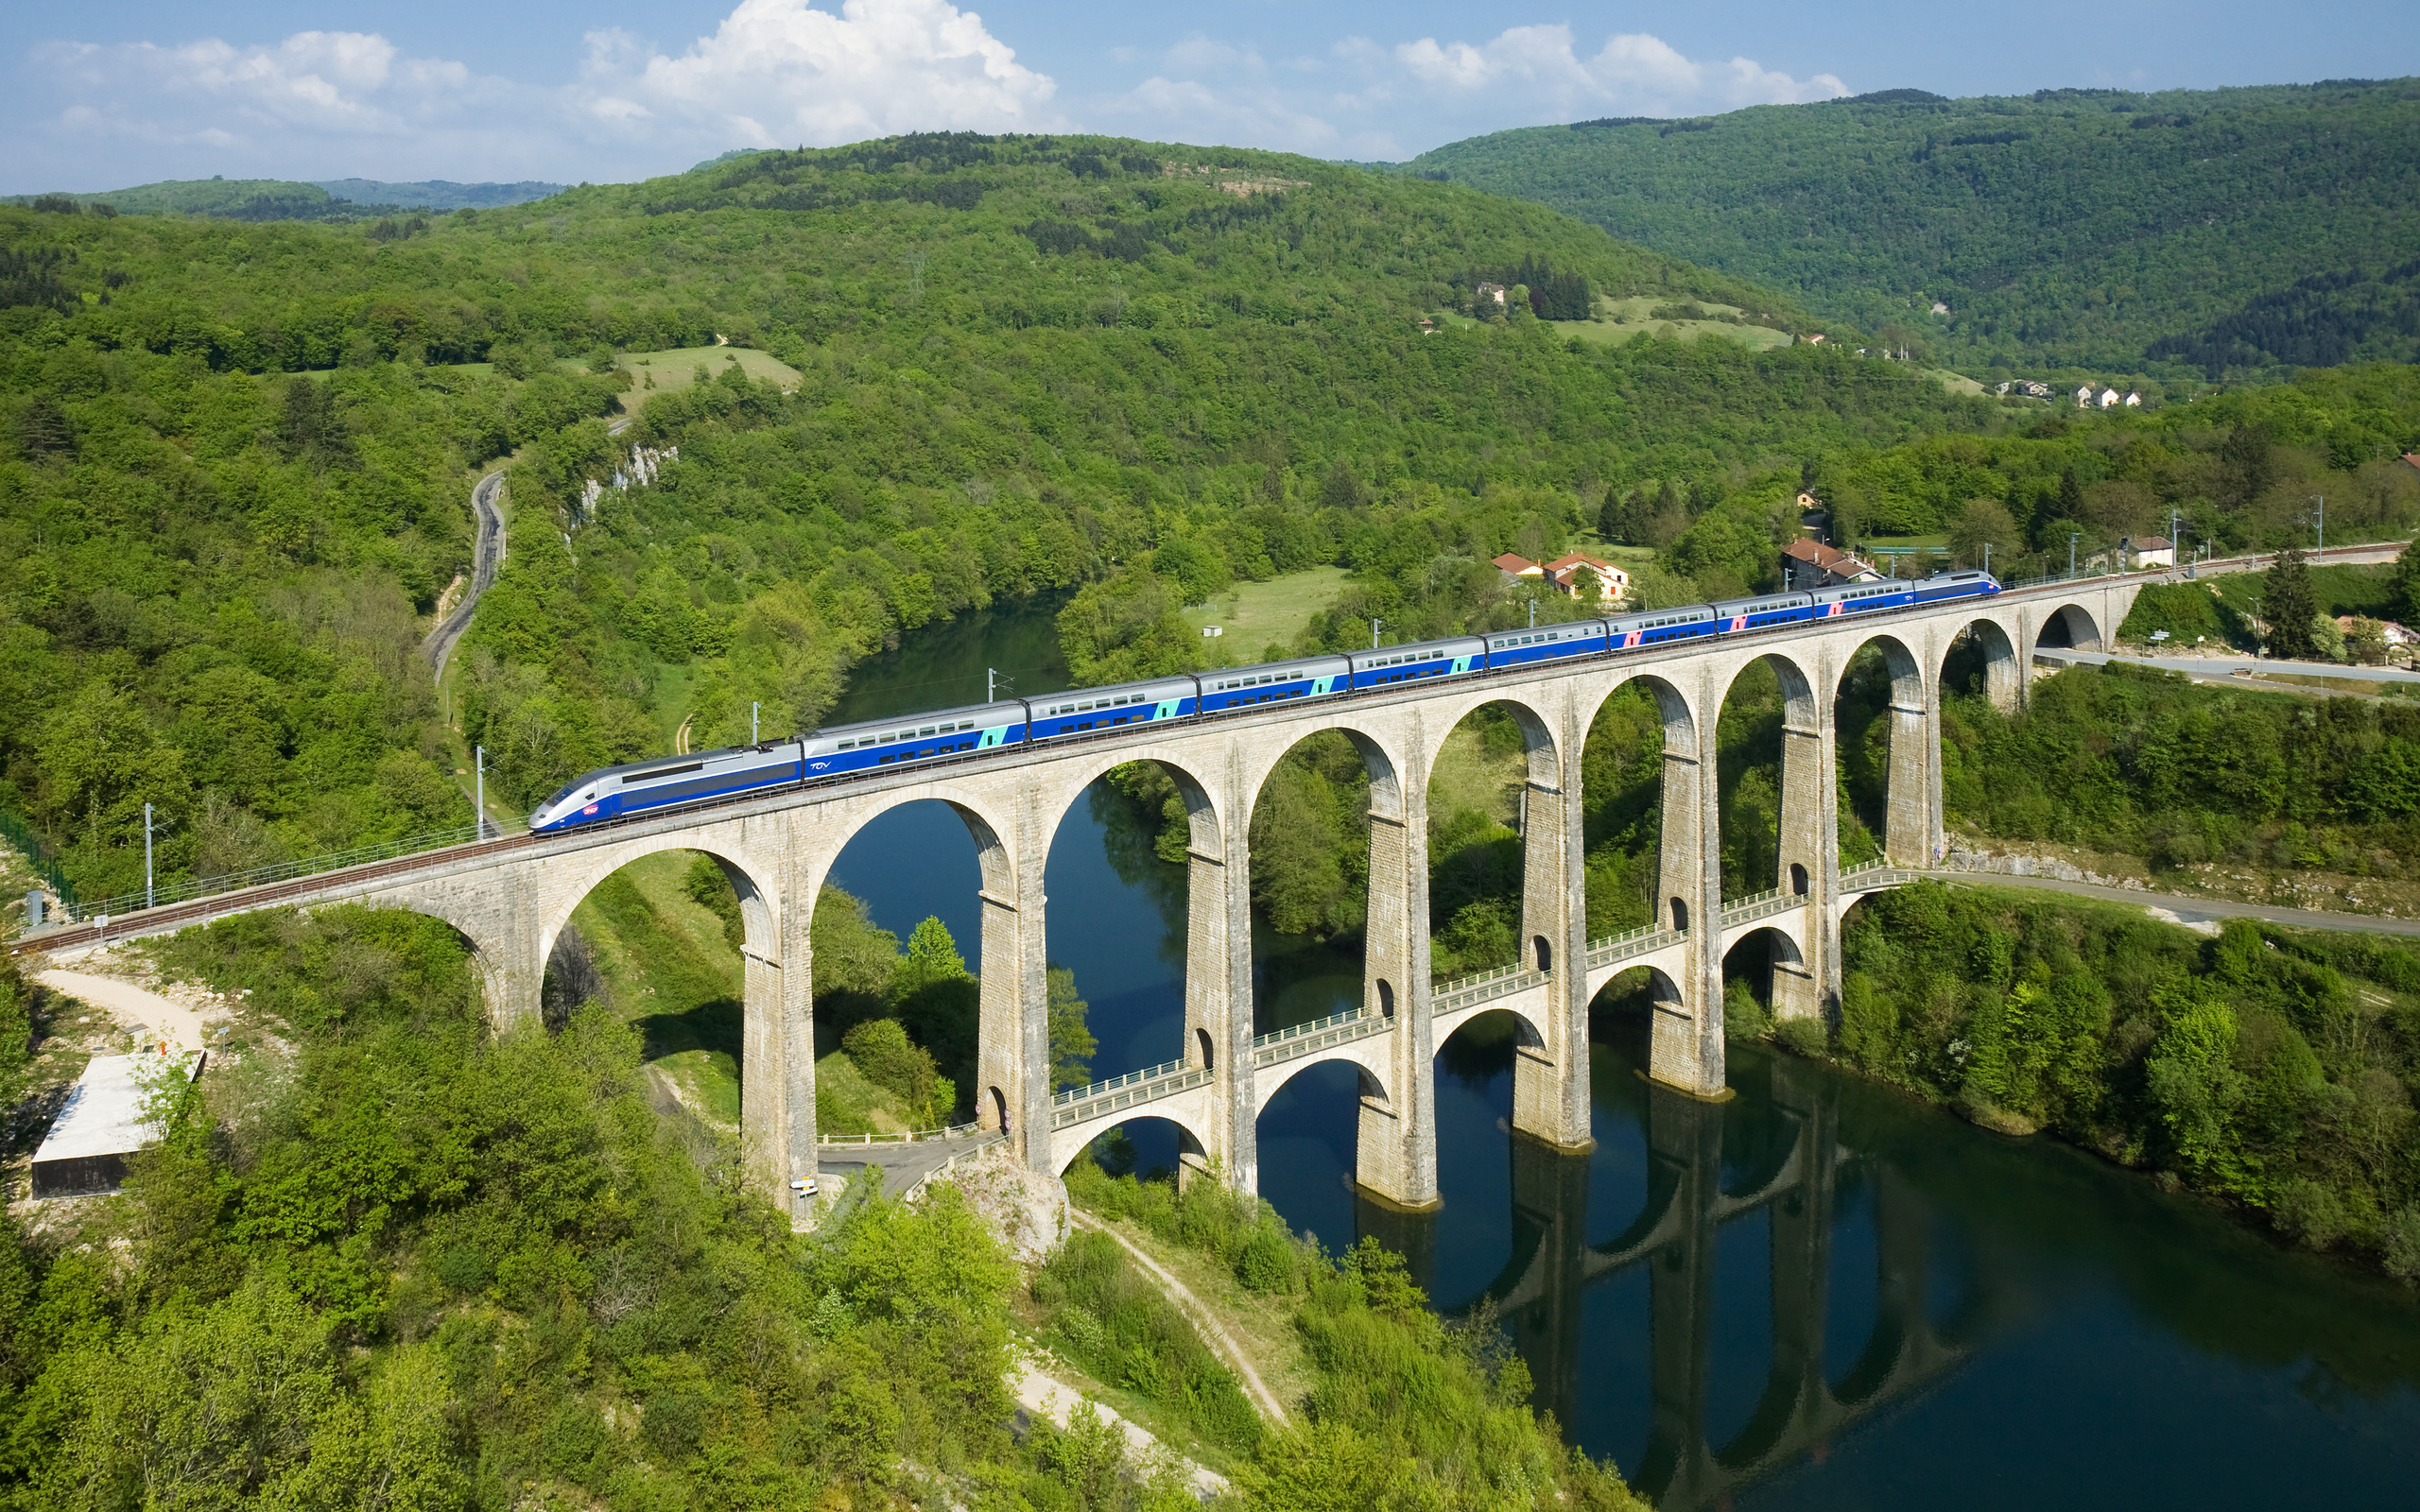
{"x":2203,"y":232}
{"x":240,"y":455}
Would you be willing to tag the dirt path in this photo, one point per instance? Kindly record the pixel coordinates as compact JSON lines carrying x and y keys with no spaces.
{"x":1213,"y":1332}
{"x":158,"y":1017}
{"x":1057,"y":1401}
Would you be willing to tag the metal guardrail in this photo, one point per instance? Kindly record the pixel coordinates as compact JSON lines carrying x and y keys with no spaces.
{"x":911,"y":1137}
{"x":1643,"y":940}
{"x":178,"y":892}
{"x":1276,"y":1036}
{"x":1186,"y":1079}
{"x":1881,"y":874}
{"x":1078,"y":1094}
{"x":1319,"y":1034}
{"x":937,"y":1172}
{"x":1761,"y":905}
{"x":1468,"y":991}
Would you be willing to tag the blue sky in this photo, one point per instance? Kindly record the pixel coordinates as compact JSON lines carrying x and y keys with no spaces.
{"x":109,"y":92}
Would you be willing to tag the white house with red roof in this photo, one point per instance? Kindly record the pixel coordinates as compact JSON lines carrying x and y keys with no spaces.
{"x":1809,"y":563}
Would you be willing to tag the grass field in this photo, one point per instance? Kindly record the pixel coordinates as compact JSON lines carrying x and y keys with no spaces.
{"x":678,"y":368}
{"x":1620,"y":319}
{"x":1251,"y":617}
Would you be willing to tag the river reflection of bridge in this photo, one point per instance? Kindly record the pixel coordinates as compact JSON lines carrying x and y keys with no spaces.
{"x":1793,"y":1170}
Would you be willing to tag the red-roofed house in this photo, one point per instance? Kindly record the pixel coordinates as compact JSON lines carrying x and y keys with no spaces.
{"x":1809,"y":563}
{"x":1518,"y":567}
{"x":1565,"y":574}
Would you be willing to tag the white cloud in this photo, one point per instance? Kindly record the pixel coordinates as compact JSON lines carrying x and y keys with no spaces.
{"x":1639,"y":72}
{"x":324,"y":83}
{"x":780,"y":71}
{"x":324,"y":104}
{"x":1432,"y":91}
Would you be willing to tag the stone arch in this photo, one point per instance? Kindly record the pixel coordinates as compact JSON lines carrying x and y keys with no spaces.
{"x":775,"y":1053}
{"x":1015,"y":1096}
{"x":2069,"y":626}
{"x":1192,"y":1154}
{"x":1396,"y":919}
{"x":1804,"y":785}
{"x":2003,"y":674}
{"x":1206,"y":820}
{"x":1268,"y":1081}
{"x":1481,"y":910}
{"x":1384,"y":765}
{"x":1661,"y":986}
{"x":500,"y":954}
{"x":994,"y":863}
{"x":1904,"y":815}
{"x":1190,"y":1023}
{"x":1791,"y":984}
{"x":1797,"y":687}
{"x":1907,"y":668}
{"x":1679,"y":718}
{"x":1671,"y":889}
{"x":1526,"y":1032}
{"x":1535,"y":723}
{"x":755,"y":876}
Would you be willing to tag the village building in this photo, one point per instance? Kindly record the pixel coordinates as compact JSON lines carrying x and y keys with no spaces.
{"x":1490,"y":291}
{"x":2108,"y":397}
{"x":2084,"y":397}
{"x":2147,"y":551}
{"x":1569,"y":576}
{"x":1809,"y":563}
{"x":1517,"y":568}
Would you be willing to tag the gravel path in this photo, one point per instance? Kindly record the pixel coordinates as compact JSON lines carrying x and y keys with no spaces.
{"x":1202,"y":1317}
{"x":133,"y":1006}
{"x":1057,"y":1401}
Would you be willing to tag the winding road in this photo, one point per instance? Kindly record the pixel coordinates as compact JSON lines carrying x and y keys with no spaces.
{"x":489,"y":556}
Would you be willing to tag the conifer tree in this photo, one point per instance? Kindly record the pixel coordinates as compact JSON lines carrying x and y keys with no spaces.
{"x":2287,"y":603}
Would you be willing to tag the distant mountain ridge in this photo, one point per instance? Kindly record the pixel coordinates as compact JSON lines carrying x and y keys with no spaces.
{"x":293,"y":200}
{"x":438,"y":193}
{"x":2214,"y":232}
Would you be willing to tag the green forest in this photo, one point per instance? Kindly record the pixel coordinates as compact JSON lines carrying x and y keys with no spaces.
{"x":2271,"y":1067}
{"x":241,"y":455}
{"x":384,"y":1258}
{"x":2196,"y":233}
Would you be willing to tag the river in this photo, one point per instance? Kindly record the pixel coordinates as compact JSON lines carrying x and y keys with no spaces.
{"x":1818,"y":1295}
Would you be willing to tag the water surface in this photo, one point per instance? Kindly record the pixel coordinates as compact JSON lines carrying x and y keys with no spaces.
{"x":1818,"y":1295}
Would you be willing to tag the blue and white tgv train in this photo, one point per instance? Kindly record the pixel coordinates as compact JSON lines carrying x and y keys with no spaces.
{"x":620,"y":792}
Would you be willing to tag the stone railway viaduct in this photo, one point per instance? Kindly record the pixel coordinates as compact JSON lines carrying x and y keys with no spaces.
{"x":512,"y":901}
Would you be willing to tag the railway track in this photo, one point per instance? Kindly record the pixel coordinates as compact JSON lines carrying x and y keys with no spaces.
{"x":153,"y":921}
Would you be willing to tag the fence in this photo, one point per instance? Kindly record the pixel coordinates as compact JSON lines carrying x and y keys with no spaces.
{"x":177,"y":892}
{"x":29,"y":845}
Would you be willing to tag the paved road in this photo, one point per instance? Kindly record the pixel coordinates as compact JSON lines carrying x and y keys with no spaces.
{"x":2223,"y":668}
{"x":902,"y":1164}
{"x":2189,"y":909}
{"x":488,"y":555}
